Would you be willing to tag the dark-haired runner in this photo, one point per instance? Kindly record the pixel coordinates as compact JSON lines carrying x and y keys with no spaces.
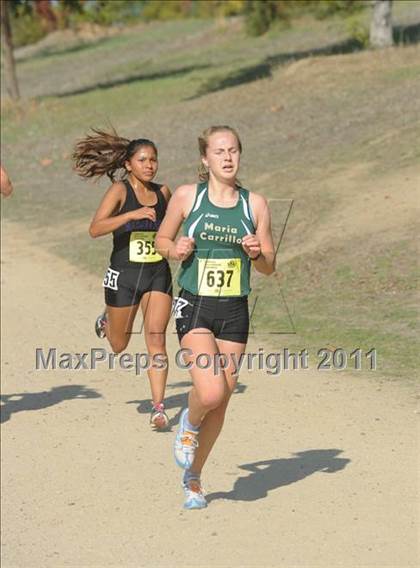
{"x":132,"y":210}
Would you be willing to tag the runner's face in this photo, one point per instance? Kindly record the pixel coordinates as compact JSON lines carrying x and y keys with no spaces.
{"x":143,"y":164}
{"x":223,"y":155}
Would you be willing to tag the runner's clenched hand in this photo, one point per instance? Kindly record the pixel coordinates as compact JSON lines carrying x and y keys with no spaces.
{"x":143,"y":213}
{"x":184,"y":247}
{"x":252,"y":246}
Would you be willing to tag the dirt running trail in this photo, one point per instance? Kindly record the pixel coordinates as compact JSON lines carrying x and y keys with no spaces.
{"x":311,"y":469}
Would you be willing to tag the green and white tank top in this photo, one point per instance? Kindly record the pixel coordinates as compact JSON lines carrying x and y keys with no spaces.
{"x":218,"y":266}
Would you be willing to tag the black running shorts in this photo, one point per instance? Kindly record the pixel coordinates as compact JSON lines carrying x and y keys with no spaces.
{"x":226,"y":318}
{"x":125,"y":286}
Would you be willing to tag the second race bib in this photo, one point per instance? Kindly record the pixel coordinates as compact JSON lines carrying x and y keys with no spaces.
{"x":219,"y":276}
{"x":142,"y":247}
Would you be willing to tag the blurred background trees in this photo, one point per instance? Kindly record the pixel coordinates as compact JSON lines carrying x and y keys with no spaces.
{"x":27,"y":21}
{"x":12,"y":86}
{"x":33,"y":19}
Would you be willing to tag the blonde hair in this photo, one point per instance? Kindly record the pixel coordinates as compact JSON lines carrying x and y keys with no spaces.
{"x":203,"y":142}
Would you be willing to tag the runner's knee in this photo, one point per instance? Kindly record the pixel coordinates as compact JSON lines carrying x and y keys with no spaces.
{"x":155,"y":341}
{"x":211,"y":399}
{"x":118,"y":344}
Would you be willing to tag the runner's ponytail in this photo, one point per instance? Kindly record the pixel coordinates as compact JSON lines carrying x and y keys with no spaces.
{"x":105,"y":153}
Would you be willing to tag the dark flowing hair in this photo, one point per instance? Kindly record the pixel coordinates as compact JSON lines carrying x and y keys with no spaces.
{"x":105,"y":153}
{"x":203,"y":142}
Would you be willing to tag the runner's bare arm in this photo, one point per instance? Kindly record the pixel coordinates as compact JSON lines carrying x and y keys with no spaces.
{"x":261,"y":244}
{"x":178,"y":208}
{"x":6,"y":186}
{"x":166,"y":192}
{"x":106,"y":220}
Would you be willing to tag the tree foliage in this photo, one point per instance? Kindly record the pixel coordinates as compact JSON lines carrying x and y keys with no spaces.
{"x":32,"y":19}
{"x":25,"y":23}
{"x":261,"y":14}
{"x":12,"y":87}
{"x":177,"y":9}
{"x":106,"y":13}
{"x":326,"y":8}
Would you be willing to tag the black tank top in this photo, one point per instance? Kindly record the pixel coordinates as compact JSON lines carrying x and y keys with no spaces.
{"x":134,"y":241}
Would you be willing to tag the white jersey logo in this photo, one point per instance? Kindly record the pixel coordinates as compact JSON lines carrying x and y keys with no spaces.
{"x":178,"y":304}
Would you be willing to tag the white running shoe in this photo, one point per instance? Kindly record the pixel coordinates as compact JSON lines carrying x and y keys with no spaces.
{"x":194,"y":495}
{"x":158,"y":418}
{"x":185,"y":444}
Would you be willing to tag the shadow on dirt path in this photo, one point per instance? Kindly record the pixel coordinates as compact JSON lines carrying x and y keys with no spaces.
{"x":268,"y":475}
{"x":20,"y":402}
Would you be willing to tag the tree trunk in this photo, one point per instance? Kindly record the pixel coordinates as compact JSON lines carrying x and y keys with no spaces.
{"x":10,"y":78}
{"x":381,"y":24}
